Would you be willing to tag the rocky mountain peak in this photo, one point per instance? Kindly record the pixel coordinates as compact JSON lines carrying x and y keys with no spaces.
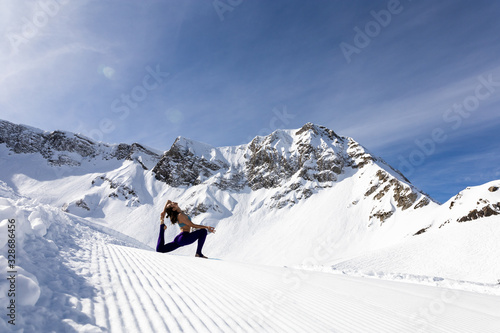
{"x":188,"y":163}
{"x":293,"y":164}
{"x":309,"y":154}
{"x":317,"y":130}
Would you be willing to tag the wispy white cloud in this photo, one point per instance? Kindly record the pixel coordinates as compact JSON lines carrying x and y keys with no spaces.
{"x":412,"y":116}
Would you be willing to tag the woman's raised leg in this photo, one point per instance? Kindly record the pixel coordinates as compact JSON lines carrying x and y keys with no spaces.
{"x":161,"y":246}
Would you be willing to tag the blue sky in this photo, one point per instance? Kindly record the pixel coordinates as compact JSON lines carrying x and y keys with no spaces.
{"x":416,"y":82}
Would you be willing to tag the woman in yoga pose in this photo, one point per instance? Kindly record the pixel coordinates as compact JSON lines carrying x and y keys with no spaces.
{"x":186,"y":237}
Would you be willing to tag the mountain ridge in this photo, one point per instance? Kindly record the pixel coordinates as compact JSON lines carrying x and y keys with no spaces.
{"x":26,"y":139}
{"x":250,"y":192}
{"x":301,"y":155}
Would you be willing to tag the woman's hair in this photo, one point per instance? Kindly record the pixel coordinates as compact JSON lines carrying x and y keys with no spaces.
{"x":172,"y":214}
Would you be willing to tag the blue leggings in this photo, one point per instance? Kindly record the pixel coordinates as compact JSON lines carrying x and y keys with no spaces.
{"x":182,"y":239}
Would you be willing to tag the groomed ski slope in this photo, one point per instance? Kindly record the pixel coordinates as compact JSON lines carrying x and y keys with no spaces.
{"x":143,"y":291}
{"x":75,"y":276}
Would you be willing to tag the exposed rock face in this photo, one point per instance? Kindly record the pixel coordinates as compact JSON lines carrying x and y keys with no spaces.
{"x":201,"y":208}
{"x":118,"y":190}
{"x":475,"y":202}
{"x":22,"y":139}
{"x":135,"y":152}
{"x":276,"y":158}
{"x":81,"y":203}
{"x":381,"y":215}
{"x":421,"y":231}
{"x":422,"y":203}
{"x":404,"y":195}
{"x":63,"y":148}
{"x":488,"y":210}
{"x":267,"y":162}
{"x":180,"y":166}
{"x":358,"y":155}
{"x":267,"y":167}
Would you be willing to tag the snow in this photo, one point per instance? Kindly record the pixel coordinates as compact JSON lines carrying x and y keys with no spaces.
{"x":462,"y":258}
{"x":319,"y":265}
{"x":75,"y":275}
{"x":82,"y":279}
{"x":51,"y":263}
{"x":462,"y":253}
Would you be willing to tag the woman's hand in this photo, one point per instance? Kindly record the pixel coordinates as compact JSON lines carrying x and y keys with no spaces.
{"x":211,"y":229}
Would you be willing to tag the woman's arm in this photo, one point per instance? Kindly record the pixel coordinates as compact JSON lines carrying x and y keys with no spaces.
{"x":184,"y":219}
{"x":162,"y":215}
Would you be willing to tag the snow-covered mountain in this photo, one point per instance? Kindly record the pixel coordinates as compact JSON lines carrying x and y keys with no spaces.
{"x":304,"y":198}
{"x":290,"y":164}
{"x":284,"y":193}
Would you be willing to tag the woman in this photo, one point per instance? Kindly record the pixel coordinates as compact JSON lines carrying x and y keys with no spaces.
{"x":186,"y":237}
